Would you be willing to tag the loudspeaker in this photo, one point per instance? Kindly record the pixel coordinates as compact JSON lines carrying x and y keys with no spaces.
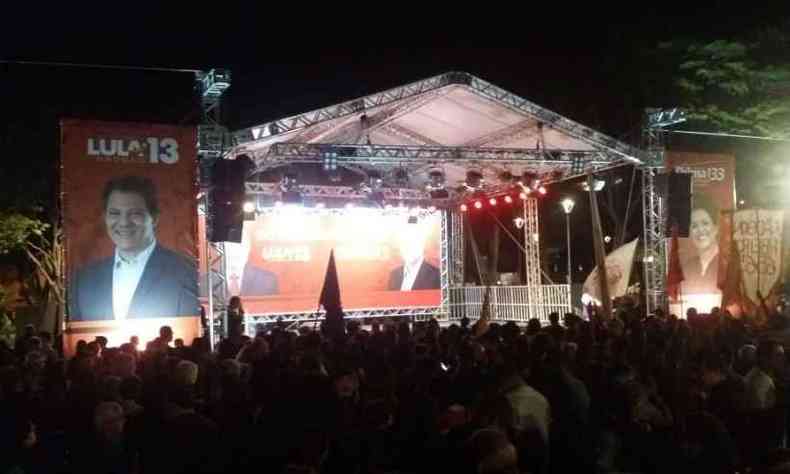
{"x":226,"y":208}
{"x":678,"y":203}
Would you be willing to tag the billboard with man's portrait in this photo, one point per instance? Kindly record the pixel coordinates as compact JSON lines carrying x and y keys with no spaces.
{"x":129,"y":221}
{"x":385,"y":258}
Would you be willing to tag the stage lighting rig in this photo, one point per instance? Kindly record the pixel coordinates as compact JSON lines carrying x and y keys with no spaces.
{"x":474,"y":180}
{"x":435,"y":186}
{"x":289,"y":187}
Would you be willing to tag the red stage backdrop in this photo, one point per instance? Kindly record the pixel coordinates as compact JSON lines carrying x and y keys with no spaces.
{"x":129,"y":220}
{"x":713,"y":191}
{"x":280,"y":264}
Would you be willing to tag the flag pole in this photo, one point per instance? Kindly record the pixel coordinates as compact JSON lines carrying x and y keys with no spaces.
{"x":600,"y":253}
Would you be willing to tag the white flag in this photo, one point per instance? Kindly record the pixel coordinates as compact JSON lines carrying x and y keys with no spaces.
{"x":758,"y":234}
{"x":618,"y":271}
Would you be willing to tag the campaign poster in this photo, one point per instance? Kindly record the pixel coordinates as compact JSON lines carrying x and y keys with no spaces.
{"x":713,"y":191}
{"x":385,"y":258}
{"x":130,"y":226}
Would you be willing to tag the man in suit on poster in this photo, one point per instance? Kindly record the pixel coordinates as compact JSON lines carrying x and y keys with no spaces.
{"x":142,"y":279}
{"x":415,"y":273}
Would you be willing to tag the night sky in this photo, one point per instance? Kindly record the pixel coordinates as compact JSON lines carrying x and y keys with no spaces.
{"x":592,"y":64}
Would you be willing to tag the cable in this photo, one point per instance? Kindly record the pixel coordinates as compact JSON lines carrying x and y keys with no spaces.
{"x":98,"y":66}
{"x":730,"y":135}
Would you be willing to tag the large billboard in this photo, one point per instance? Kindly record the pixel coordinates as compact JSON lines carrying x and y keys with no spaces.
{"x":713,"y":191}
{"x":385,"y":258}
{"x":129,"y":221}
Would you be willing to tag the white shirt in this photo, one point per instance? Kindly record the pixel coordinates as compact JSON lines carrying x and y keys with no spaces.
{"x":126,"y":275}
{"x":760,"y":390}
{"x":410,"y":271}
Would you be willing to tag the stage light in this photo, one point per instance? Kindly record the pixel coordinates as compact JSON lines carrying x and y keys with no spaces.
{"x":508,"y":199}
{"x":249,"y":207}
{"x":492,"y":201}
{"x":530,"y":180}
{"x":349,"y":205}
{"x":335,"y":176}
{"x":523,"y":196}
{"x":439,"y":194}
{"x":431,"y":208}
{"x":567,"y":205}
{"x":598,"y":184}
{"x":436,"y":178}
{"x":478,"y":205}
{"x":464,"y":208}
{"x":607,"y":238}
{"x":542,"y":190}
{"x":388,"y":207}
{"x":518,"y":222}
{"x":474,"y":179}
{"x":278,"y":204}
{"x":506,"y":177}
{"x":320,"y":205}
{"x":401,"y":178}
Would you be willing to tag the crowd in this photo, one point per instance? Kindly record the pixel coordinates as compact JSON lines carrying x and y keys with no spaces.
{"x":627,"y":394}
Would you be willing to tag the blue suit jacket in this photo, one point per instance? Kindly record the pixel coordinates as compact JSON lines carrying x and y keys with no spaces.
{"x":167,"y":288}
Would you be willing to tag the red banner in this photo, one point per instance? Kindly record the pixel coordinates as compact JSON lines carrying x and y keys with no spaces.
{"x":129,"y":221}
{"x":713,"y":191}
{"x":385,"y":259}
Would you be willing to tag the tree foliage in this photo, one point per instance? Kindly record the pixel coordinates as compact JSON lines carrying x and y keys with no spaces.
{"x":42,"y":245}
{"x":737,"y":85}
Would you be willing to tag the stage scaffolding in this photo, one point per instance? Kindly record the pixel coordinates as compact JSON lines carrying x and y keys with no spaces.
{"x":299,"y":139}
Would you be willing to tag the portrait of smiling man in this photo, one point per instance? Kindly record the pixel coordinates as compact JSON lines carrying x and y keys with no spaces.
{"x":142,"y":279}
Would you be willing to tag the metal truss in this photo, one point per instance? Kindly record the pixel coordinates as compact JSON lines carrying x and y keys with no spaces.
{"x":345,"y":192}
{"x":654,"y":241}
{"x":479,"y":86}
{"x":457,"y":248}
{"x":213,"y":138}
{"x":444,"y":261}
{"x":422,"y":312}
{"x":532,"y":254}
{"x":344,"y":109}
{"x":400,"y":155}
{"x":655,"y":259}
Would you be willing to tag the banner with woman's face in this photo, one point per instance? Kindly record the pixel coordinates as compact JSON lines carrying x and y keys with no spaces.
{"x":713,"y":191}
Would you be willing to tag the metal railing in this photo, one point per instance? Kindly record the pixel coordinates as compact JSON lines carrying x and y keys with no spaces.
{"x":510,"y":303}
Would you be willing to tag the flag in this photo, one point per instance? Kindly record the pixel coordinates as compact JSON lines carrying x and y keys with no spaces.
{"x":675,"y":272}
{"x":618,"y":272}
{"x":330,"y":293}
{"x":732,"y":285}
{"x":482,"y":324}
{"x":602,"y":289}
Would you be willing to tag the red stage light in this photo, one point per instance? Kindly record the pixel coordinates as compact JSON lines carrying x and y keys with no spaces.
{"x":508,"y":199}
{"x":464,"y":208}
{"x":523,"y":196}
{"x":492,"y":201}
{"x":542,"y":190}
{"x":478,"y":205}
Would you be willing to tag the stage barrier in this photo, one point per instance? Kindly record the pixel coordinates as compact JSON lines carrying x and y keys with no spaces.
{"x":510,"y":303}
